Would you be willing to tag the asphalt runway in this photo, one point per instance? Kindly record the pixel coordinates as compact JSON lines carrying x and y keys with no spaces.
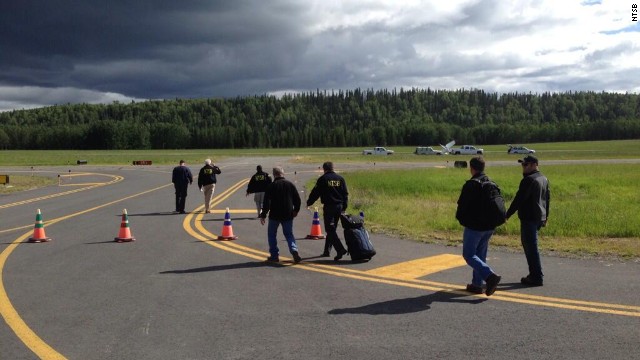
{"x":179,"y":293}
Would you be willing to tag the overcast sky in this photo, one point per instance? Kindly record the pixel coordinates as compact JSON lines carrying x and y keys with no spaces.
{"x":90,"y":51}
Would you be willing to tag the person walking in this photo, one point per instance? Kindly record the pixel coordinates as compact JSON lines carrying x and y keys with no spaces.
{"x":257,"y":186}
{"x":207,"y":182}
{"x":332,"y":191}
{"x":532,"y":204}
{"x":477,"y":233}
{"x":181,"y":179}
{"x":282,"y":204}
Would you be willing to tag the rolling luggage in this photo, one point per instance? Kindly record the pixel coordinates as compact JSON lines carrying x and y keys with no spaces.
{"x":357,"y":238}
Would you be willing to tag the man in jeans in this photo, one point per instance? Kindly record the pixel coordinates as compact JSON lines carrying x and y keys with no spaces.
{"x":532,"y":204}
{"x":476,"y":235}
{"x":282,"y":203}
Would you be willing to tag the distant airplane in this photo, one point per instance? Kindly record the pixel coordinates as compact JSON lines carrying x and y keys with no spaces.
{"x":447,"y":148}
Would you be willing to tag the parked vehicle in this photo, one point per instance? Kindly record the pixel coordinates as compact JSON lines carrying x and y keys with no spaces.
{"x":426,"y":150}
{"x":461,"y":150}
{"x":518,"y":149}
{"x":378,"y":150}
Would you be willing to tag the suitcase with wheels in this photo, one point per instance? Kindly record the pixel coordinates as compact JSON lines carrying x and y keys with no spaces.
{"x":357,"y":238}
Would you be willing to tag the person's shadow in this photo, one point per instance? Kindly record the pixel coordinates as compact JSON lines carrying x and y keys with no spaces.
{"x":244,"y":265}
{"x":410,"y":305}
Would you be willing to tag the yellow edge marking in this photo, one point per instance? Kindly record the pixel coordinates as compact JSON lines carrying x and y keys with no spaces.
{"x":418,"y":268}
{"x":202,"y":234}
{"x":116,"y":178}
{"x":9,"y":313}
{"x":235,"y":211}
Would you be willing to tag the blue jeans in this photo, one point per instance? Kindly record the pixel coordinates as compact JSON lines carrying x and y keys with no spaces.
{"x":529,"y":240}
{"x":474,"y":251}
{"x":287,"y":230}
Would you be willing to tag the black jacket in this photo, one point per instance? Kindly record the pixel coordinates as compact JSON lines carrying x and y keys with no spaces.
{"x":281,"y":200}
{"x":331,"y":189}
{"x":181,"y":176}
{"x":259,"y":182}
{"x":207,"y":175}
{"x":532,"y":199}
{"x":470,"y":204}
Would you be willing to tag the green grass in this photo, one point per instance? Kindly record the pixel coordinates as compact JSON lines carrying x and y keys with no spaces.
{"x":593,"y":208}
{"x":621,"y":149}
{"x":24,"y":182}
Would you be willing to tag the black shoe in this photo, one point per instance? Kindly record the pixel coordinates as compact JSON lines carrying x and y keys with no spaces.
{"x":492,"y":283}
{"x":296,"y":257}
{"x":340,"y":255}
{"x":183,"y":212}
{"x":527,"y":280}
{"x":273,"y":259}
{"x":474,"y":289}
{"x":325,"y":254}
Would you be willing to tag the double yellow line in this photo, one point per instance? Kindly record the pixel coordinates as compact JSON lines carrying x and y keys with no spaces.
{"x":193,"y":225}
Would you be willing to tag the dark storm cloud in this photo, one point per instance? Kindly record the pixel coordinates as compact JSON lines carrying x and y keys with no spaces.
{"x":100,"y":51}
{"x":144,"y":49}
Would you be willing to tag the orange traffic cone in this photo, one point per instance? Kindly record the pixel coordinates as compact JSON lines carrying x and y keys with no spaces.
{"x":316,"y":231}
{"x":227,"y":229}
{"x":125,"y":232}
{"x":38,"y":230}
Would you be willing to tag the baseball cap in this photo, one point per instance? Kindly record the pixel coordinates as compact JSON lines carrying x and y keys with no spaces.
{"x":528,"y":159}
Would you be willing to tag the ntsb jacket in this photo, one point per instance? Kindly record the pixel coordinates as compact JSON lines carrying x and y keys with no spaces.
{"x":207,"y":175}
{"x":259,"y":182}
{"x":331,"y":189}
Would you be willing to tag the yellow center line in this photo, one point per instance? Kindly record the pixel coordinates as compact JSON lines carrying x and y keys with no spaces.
{"x":393,"y":275}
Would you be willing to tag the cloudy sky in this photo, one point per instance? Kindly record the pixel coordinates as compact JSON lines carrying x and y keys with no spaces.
{"x":100,"y":51}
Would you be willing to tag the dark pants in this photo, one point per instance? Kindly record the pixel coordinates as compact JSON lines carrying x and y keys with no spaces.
{"x":331,"y":216}
{"x":529,"y":239}
{"x":181,"y":196}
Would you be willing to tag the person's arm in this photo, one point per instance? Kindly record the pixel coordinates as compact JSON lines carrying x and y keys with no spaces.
{"x":523,"y":192}
{"x":315,"y":193}
{"x":296,"y":200}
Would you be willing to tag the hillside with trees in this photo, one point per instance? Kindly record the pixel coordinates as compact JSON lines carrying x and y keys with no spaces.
{"x":327,"y":119}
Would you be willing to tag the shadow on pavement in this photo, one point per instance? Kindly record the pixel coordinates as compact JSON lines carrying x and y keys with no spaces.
{"x":244,"y":265}
{"x":408,"y":305}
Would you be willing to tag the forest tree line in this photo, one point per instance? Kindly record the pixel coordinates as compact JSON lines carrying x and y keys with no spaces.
{"x":327,"y":119}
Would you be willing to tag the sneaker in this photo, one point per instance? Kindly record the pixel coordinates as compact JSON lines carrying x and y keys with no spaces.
{"x":340,"y":255}
{"x":474,"y":289}
{"x":527,"y":280}
{"x":273,"y":259}
{"x":296,"y":257}
{"x":492,"y":283}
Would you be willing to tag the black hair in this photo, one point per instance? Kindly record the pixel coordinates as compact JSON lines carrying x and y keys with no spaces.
{"x":477,"y":163}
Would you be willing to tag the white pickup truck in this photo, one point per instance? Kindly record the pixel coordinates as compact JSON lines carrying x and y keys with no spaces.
{"x":465,"y":150}
{"x":378,"y":150}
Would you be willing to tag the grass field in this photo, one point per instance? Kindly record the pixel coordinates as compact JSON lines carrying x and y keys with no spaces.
{"x":594,"y":208}
{"x":622,"y":149}
{"x":593,"y":212}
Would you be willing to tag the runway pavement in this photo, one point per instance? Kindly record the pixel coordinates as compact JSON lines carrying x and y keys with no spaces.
{"x":179,"y":293}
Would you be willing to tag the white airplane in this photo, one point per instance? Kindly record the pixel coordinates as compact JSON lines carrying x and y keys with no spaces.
{"x":447,"y":148}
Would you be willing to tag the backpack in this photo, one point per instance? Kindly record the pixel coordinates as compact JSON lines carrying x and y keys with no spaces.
{"x":492,"y":208}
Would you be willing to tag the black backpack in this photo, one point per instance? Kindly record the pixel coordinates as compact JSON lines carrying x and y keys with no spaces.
{"x":492,"y":208}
